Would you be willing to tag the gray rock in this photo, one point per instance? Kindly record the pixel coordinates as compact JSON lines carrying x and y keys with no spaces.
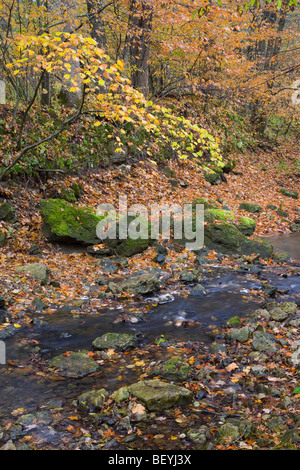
{"x":240,"y":334}
{"x":92,"y":400}
{"x":198,"y":291}
{"x":278,"y":314}
{"x":38,"y":271}
{"x":142,"y":283}
{"x":74,"y":364}
{"x":228,"y":432}
{"x":263,"y":341}
{"x":157,"y":395}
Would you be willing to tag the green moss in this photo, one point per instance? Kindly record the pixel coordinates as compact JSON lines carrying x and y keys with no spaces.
{"x":246,"y":225}
{"x":222,"y":214}
{"x":130,"y":246}
{"x":225,"y":237}
{"x":64,"y":222}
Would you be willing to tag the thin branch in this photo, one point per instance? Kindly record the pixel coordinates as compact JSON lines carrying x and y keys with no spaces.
{"x":28,"y":109}
{"x":46,"y":139}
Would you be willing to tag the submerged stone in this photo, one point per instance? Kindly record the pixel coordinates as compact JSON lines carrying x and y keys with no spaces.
{"x":74,"y":364}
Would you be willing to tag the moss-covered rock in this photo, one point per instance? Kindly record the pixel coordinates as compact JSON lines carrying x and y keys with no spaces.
{"x":225,"y":237}
{"x":66,"y":223}
{"x":246,"y":225}
{"x":292,"y":194}
{"x":7,"y":213}
{"x":121,"y":341}
{"x":175,"y":369}
{"x":252,"y":208}
{"x":129,"y":246}
{"x":218,"y":214}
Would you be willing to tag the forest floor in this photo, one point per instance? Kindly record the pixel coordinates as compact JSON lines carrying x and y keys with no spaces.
{"x":242,"y":398}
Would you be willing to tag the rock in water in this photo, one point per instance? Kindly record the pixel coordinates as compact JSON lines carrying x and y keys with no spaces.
{"x":121,"y":341}
{"x":74,"y":364}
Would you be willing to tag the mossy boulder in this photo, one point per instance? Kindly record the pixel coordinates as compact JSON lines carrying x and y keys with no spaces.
{"x":295,"y":227}
{"x":120,"y":341}
{"x":252,"y":208}
{"x":157,"y":395}
{"x":7,"y":213}
{"x":246,"y":225}
{"x":225,"y":237}
{"x":64,"y":222}
{"x":213,"y":178}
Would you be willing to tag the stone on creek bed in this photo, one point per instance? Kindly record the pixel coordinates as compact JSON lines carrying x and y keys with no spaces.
{"x":158,"y":395}
{"x":74,"y":364}
{"x":121,"y":341}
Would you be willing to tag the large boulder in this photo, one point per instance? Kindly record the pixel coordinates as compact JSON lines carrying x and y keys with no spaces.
{"x":225,"y":237}
{"x":158,"y":395}
{"x":63,"y":222}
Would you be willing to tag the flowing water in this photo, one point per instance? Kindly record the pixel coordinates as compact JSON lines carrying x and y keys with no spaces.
{"x":228,"y":294}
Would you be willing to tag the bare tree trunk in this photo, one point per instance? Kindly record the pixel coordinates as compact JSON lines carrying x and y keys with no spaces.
{"x":71,"y":98}
{"x":140,"y":23}
{"x":95,"y":8}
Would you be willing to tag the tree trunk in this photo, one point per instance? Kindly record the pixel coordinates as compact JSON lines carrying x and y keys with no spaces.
{"x":140,"y":25}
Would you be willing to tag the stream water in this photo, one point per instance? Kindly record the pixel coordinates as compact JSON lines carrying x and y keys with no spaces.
{"x":228,"y":294}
